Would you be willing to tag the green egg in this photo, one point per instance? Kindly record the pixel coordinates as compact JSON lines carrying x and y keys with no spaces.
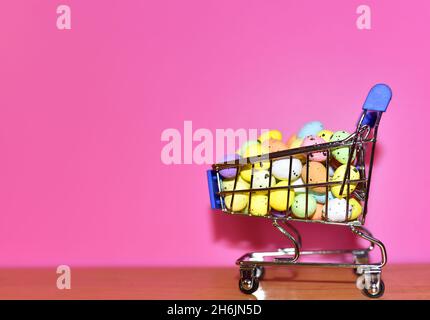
{"x":299,"y":206}
{"x":341,"y":154}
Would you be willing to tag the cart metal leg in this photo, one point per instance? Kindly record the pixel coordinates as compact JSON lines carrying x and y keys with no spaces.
{"x":369,"y":274}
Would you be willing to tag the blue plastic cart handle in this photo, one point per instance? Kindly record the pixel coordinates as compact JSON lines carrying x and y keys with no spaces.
{"x":370,"y":118}
{"x":377,"y":101}
{"x":213,"y":189}
{"x":378,"y":98}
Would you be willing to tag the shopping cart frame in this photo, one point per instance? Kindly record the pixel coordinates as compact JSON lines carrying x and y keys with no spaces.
{"x":360,"y":142}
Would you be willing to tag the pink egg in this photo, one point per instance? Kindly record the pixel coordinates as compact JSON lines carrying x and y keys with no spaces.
{"x":310,"y":141}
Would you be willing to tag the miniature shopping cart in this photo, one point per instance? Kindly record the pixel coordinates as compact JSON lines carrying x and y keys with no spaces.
{"x":361,"y":146}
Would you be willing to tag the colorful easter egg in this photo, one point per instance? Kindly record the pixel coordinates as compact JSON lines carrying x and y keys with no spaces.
{"x":315,"y":156}
{"x":317,"y":174}
{"x":277,"y":214}
{"x":271,"y":134}
{"x":341,"y":154}
{"x":259,"y":204}
{"x":299,"y":182}
{"x":240,"y":201}
{"x":246,"y":171}
{"x":229,"y":172}
{"x":299,"y":206}
{"x":339,"y":175}
{"x":281,"y":169}
{"x":318,"y":215}
{"x":310,"y":129}
{"x":228,"y":184}
{"x":252,"y":150}
{"x":261,"y":179}
{"x":321,"y":197}
{"x":290,"y":141}
{"x":279,"y":197}
{"x":273,"y":145}
{"x":296,"y":143}
{"x":337,"y":210}
{"x":250,"y":147}
{"x":356,"y":208}
{"x":339,"y":135}
{"x":325,"y":134}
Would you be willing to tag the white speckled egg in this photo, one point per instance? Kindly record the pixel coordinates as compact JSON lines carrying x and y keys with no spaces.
{"x":337,"y":210}
{"x":299,"y":182}
{"x":261,"y":179}
{"x":281,"y":169}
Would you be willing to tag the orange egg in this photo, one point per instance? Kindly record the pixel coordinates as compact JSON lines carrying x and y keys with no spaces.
{"x":274,"y":145}
{"x":317,"y":174}
{"x":318,"y":212}
{"x":290,"y":141}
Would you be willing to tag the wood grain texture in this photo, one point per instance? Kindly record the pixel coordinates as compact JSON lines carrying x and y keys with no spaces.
{"x":402,"y":282}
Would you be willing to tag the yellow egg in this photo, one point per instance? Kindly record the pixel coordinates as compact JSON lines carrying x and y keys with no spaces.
{"x":240,"y":202}
{"x":255,"y":151}
{"x":356,"y":209}
{"x":325,"y":135}
{"x":265,"y":149}
{"x":339,"y":175}
{"x":278,"y":198}
{"x":259,"y":205}
{"x":252,"y":150}
{"x":296,"y":143}
{"x":228,"y":184}
{"x":271,"y":134}
{"x":246,"y":171}
{"x":240,"y":199}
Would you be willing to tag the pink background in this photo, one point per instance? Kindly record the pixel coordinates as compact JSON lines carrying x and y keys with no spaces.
{"x":82,"y":111}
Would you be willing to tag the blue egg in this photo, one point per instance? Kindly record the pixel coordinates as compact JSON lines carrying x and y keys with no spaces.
{"x":310,"y":129}
{"x":320,"y":197}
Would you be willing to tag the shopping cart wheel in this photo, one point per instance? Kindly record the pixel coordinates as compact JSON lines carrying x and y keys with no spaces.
{"x":248,"y":282}
{"x":260,"y":272}
{"x":248,"y":285}
{"x":375,"y":291}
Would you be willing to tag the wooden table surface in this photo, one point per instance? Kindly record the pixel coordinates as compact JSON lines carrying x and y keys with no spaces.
{"x":401,"y":281}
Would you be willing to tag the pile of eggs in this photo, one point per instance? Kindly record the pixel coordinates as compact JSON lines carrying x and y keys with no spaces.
{"x":314,"y":207}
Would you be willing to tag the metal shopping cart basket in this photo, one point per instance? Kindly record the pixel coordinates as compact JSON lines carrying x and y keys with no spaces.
{"x":361,"y":149}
